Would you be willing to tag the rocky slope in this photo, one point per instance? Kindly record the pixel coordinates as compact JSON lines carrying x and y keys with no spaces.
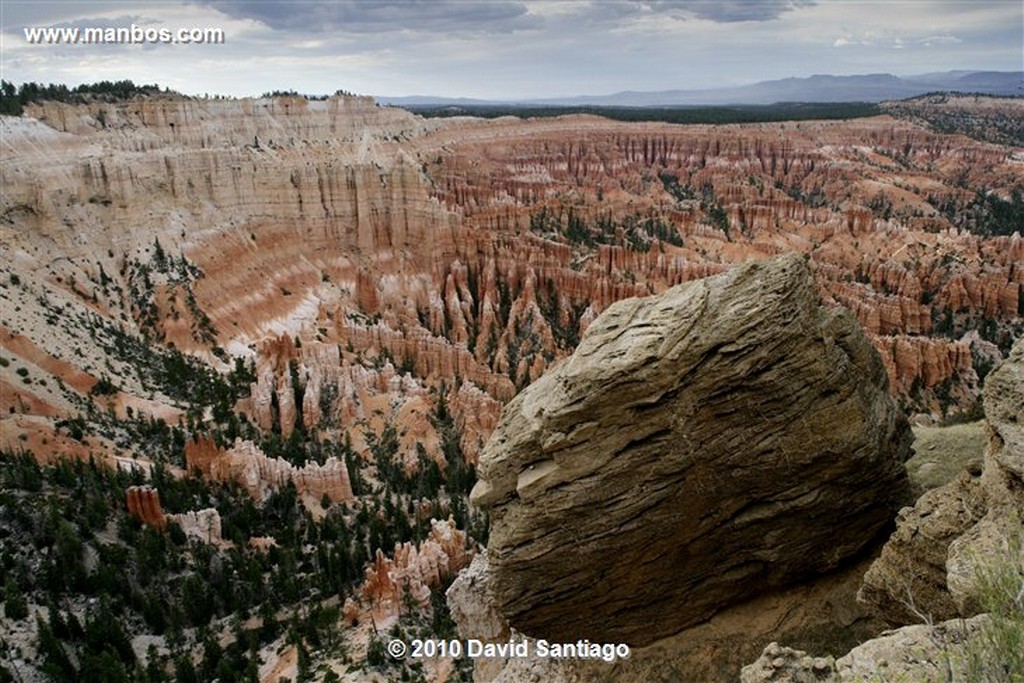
{"x":929,"y":564}
{"x":952,"y":574}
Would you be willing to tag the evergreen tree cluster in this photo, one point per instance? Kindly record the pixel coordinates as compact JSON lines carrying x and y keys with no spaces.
{"x":14,"y":98}
{"x":635,"y":232}
{"x":986,"y":213}
{"x":71,"y":545}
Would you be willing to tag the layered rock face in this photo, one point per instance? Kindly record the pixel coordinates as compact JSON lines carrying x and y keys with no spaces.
{"x":728,"y":437}
{"x":928,"y":565}
{"x":206,"y":123}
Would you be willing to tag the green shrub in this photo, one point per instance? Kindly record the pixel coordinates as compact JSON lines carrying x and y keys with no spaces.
{"x":15,"y":605}
{"x":996,"y":653}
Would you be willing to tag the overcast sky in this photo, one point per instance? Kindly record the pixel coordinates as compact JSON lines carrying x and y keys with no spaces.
{"x":506,"y":49}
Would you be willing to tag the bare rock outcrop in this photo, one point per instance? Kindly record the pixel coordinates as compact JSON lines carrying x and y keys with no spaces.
{"x":927,"y":567}
{"x":728,"y":437}
{"x":203,"y":525}
{"x":247,"y":465}
{"x":411,"y":572}
{"x":909,"y":580}
{"x":923,"y":653}
{"x":779,"y":664}
{"x":143,"y":503}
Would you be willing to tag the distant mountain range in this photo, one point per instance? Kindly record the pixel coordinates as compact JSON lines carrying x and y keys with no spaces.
{"x":819,"y":88}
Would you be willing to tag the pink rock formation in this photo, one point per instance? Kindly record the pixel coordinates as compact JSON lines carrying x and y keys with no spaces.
{"x":273,"y":396}
{"x":262,"y":543}
{"x":476,"y":415}
{"x":144,"y":504}
{"x":412,"y":571}
{"x":200,"y":452}
{"x":926,"y":361}
{"x":248,"y":466}
{"x":374,"y":237}
{"x":338,"y":392}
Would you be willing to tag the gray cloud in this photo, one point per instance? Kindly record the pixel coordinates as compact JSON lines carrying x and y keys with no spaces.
{"x":382,"y":16}
{"x":17,"y":14}
{"x":728,"y":11}
{"x":104,"y":22}
{"x":476,"y":48}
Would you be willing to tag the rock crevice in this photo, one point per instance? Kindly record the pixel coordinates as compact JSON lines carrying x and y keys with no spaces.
{"x":928,"y":565}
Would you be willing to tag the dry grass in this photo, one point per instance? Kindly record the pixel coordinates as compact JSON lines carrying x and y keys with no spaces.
{"x":940,"y":453}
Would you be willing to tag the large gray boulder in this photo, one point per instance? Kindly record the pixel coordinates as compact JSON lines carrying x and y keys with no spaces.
{"x":702,"y":446}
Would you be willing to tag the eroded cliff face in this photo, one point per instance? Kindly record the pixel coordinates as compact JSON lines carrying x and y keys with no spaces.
{"x":476,"y":252}
{"x":246,"y":465}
